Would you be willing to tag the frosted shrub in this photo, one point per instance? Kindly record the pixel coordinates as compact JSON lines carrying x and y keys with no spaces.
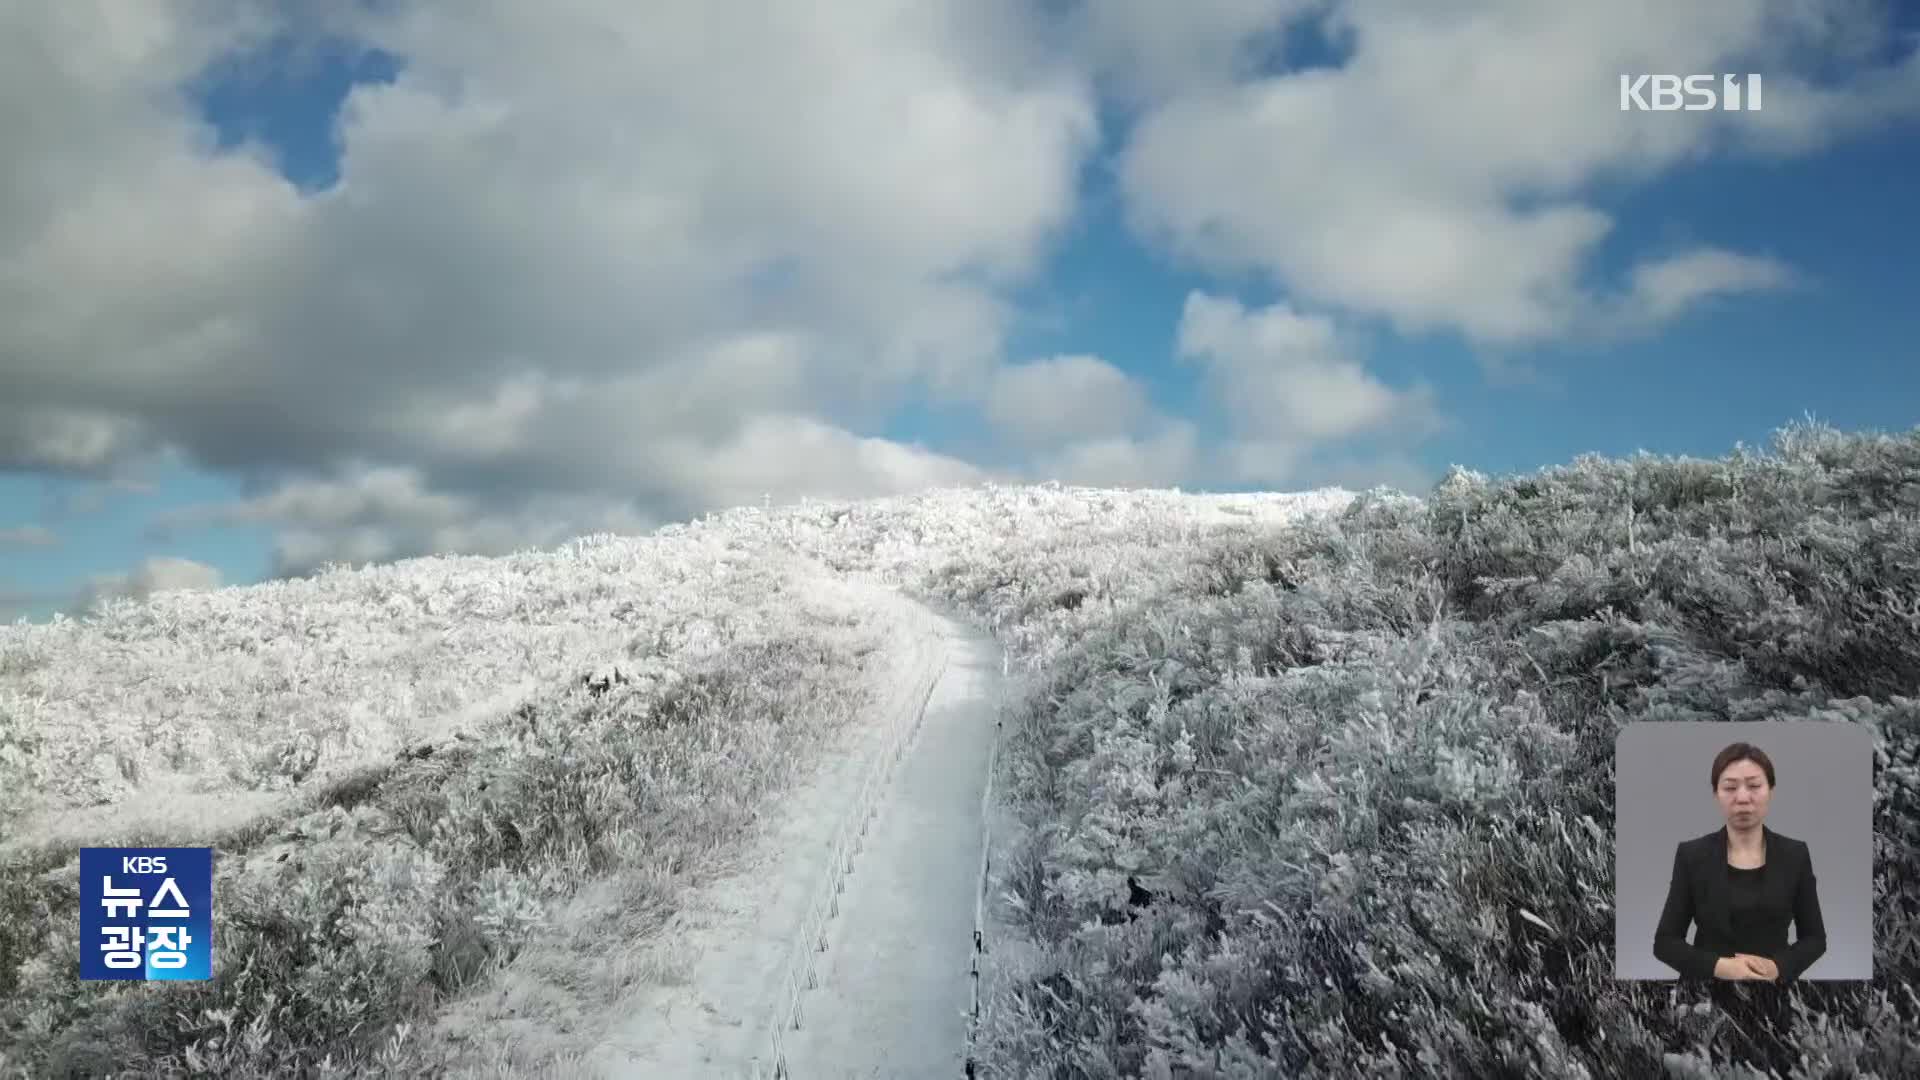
{"x":410,"y":859}
{"x":506,"y":910}
{"x":1361,"y":766}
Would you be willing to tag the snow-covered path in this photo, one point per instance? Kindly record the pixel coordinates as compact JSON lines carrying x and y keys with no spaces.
{"x":893,"y":987}
{"x":888,"y":996}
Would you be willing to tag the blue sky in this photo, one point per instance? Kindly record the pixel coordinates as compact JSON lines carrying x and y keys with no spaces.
{"x":1841,"y":349}
{"x":1107,"y":267}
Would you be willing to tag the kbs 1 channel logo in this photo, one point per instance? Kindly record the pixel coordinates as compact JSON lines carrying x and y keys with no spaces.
{"x":1689,"y":93}
{"x":146,"y":914}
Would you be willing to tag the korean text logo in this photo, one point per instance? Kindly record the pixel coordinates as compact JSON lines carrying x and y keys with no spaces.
{"x":146,"y":913}
{"x":1693,"y":93}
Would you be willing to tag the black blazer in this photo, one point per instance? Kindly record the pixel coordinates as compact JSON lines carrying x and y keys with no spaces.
{"x":1698,"y":895}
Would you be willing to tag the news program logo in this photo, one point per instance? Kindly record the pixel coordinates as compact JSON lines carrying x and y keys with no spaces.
{"x":146,"y":914}
{"x":1693,"y":93}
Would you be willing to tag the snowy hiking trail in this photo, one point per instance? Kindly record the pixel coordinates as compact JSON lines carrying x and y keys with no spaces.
{"x":890,"y":994}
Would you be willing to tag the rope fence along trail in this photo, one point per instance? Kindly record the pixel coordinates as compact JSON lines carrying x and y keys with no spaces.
{"x":977,"y":953}
{"x":811,"y":940}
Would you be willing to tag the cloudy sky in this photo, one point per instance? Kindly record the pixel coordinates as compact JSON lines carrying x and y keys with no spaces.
{"x":413,"y":276}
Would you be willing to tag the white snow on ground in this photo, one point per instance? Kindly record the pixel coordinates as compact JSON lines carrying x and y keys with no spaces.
{"x":737,"y":946}
{"x":183,"y":713}
{"x":181,"y":716}
{"x":889,"y":995}
{"x":893,"y":989}
{"x":180,"y":806}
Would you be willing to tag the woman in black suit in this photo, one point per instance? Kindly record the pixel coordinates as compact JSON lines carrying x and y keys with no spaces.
{"x":1741,"y":886}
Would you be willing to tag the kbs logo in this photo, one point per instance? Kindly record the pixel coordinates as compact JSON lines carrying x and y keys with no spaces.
{"x":146,"y":914}
{"x":1693,"y":93}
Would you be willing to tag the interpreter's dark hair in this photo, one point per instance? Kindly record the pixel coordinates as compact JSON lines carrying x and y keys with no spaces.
{"x":1741,"y":751}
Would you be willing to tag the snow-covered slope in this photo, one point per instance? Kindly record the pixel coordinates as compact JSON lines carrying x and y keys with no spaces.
{"x":526,"y":759}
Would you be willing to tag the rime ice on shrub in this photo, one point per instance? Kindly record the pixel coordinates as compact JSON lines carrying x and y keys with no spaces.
{"x":1437,"y":802}
{"x":1423,"y":688}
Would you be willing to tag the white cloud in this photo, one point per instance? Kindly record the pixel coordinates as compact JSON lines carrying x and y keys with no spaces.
{"x":154,"y":575}
{"x":365,"y":495}
{"x":1289,"y":386}
{"x":1660,"y":289}
{"x":1148,"y":49}
{"x":1280,"y":374}
{"x":590,"y":267}
{"x":1437,"y":177}
{"x":772,"y":455}
{"x":1065,"y":398}
{"x":65,"y":440}
{"x":361,"y":512}
{"x":1084,"y":421}
{"x":602,"y":257}
{"x":1166,"y":457}
{"x":365,"y":513}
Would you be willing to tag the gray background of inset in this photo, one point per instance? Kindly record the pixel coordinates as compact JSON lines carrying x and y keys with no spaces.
{"x":1823,"y":795}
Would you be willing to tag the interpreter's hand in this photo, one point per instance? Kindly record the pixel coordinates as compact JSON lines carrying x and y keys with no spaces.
{"x":1761,"y":967}
{"x":1733,"y":967}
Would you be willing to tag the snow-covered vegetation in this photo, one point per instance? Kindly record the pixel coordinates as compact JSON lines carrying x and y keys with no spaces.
{"x":1351,"y":759}
{"x":409,"y":771}
{"x":1364,"y":764}
{"x":1358,"y":751}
